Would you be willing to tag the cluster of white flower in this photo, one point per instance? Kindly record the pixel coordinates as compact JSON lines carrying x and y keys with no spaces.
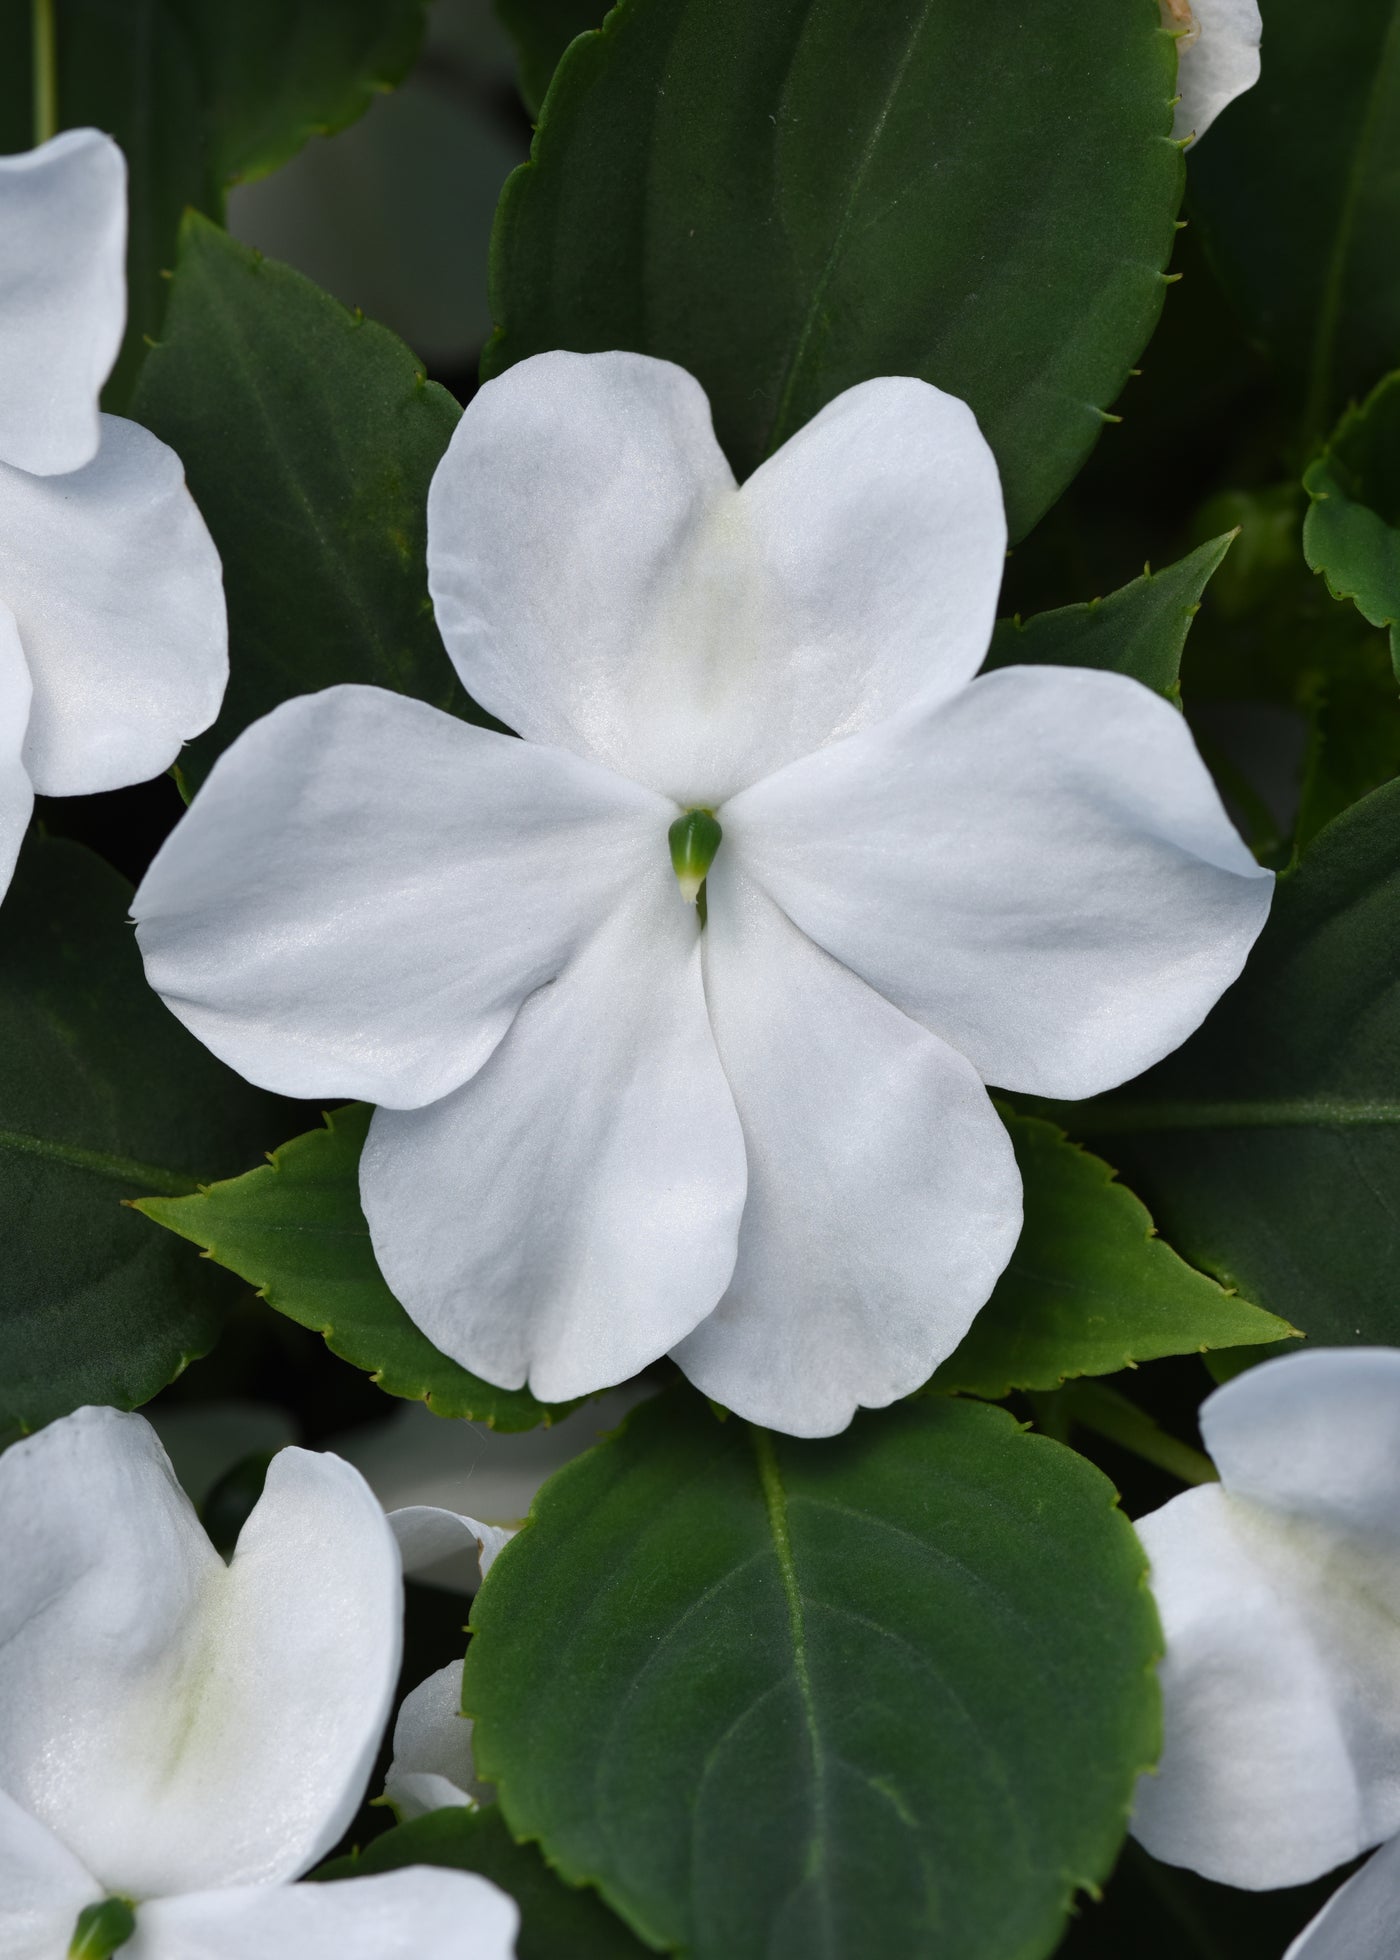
{"x":677,"y":1012}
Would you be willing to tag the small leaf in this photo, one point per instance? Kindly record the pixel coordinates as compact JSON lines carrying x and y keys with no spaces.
{"x":309,"y":437}
{"x":293,"y":1228}
{"x":1268,"y":1147}
{"x":887,"y":1693}
{"x":102,"y":1096}
{"x":788,"y":199}
{"x":1139,"y":630}
{"x":541,"y":30}
{"x":557,"y":1921}
{"x":1090,"y":1288}
{"x":1351,"y":533}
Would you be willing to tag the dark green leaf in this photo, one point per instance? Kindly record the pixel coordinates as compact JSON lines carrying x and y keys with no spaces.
{"x":541,"y":30}
{"x":309,"y":437}
{"x":1351,"y":533}
{"x":790,"y":198}
{"x":557,"y":1921}
{"x":1354,"y":714}
{"x":1139,"y":631}
{"x":1269,"y":1146}
{"x":293,"y":1228}
{"x":102,"y":1096}
{"x":1297,"y":189}
{"x":883,"y":1694}
{"x":199,"y":93}
{"x":1090,"y":1288}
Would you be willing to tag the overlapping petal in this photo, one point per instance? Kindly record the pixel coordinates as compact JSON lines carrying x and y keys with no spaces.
{"x":176,"y":1722}
{"x":433,"y":1766}
{"x":118,"y":593}
{"x":883,"y":1196}
{"x":1279,"y":1592}
{"x":427,"y":1535}
{"x":16,"y":790}
{"x":420,"y":1913}
{"x":62,"y":296}
{"x":1359,"y":1921}
{"x":43,"y":1887}
{"x":572,"y":1212}
{"x":366,"y":889}
{"x":601,"y":584}
{"x":1040,"y":871}
{"x":1217,"y":58}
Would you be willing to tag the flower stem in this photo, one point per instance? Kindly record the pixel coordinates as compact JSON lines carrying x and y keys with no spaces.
{"x":45,"y":72}
{"x":1120,"y":1421}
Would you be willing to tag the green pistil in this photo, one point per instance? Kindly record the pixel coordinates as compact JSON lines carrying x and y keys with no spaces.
{"x":101,"y":1929}
{"x":694,"y":838}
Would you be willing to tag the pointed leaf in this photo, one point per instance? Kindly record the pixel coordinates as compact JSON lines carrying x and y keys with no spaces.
{"x":1139,"y":630}
{"x":885,"y":1693}
{"x":293,"y":1228}
{"x":1090,"y":1288}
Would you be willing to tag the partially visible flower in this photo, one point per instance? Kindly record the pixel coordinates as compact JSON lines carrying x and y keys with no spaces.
{"x":605,"y":1133}
{"x":113,"y":637}
{"x":433,"y":1767}
{"x":181,"y":1739}
{"x":1279,"y":1591}
{"x":1360,"y":1919}
{"x":1217,"y":45}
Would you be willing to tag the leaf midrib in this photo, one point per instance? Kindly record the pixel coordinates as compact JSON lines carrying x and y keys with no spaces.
{"x":155,"y":1178}
{"x":1281,"y":1113}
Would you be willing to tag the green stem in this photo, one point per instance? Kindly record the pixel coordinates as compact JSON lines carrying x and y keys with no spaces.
{"x":1118,"y":1420}
{"x":45,"y":72}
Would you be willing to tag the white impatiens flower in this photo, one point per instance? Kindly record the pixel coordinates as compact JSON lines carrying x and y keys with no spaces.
{"x":751,"y":1132}
{"x":1217,"y":46}
{"x":113,"y":637}
{"x":1279,"y":1591}
{"x":179,"y":1738}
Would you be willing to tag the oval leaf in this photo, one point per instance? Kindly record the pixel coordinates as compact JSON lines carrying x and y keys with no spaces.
{"x":887,"y":1693}
{"x":789,"y":199}
{"x":102,"y":1096}
{"x":309,"y":437}
{"x":1351,"y":533}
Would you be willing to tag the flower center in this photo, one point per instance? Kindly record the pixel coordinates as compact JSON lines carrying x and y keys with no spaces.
{"x":694,"y":838}
{"x":101,"y":1929}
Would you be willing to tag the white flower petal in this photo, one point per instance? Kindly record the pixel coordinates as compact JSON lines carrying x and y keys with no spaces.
{"x":420,"y":1913}
{"x":427,"y":1534}
{"x":883,"y":1194}
{"x":119,"y":596}
{"x":1279,"y":1593}
{"x":1217,"y":57}
{"x":366,"y":889}
{"x":1040,"y":871}
{"x":601,"y":584}
{"x":177,"y":1722}
{"x":433,"y":1766}
{"x":1359,"y":1921}
{"x":62,"y":296}
{"x":43,"y":1888}
{"x":16,"y":791}
{"x":573,"y":1210}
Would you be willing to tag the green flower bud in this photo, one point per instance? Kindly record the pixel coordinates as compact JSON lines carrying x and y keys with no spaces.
{"x":101,"y":1929}
{"x":694,"y":839}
